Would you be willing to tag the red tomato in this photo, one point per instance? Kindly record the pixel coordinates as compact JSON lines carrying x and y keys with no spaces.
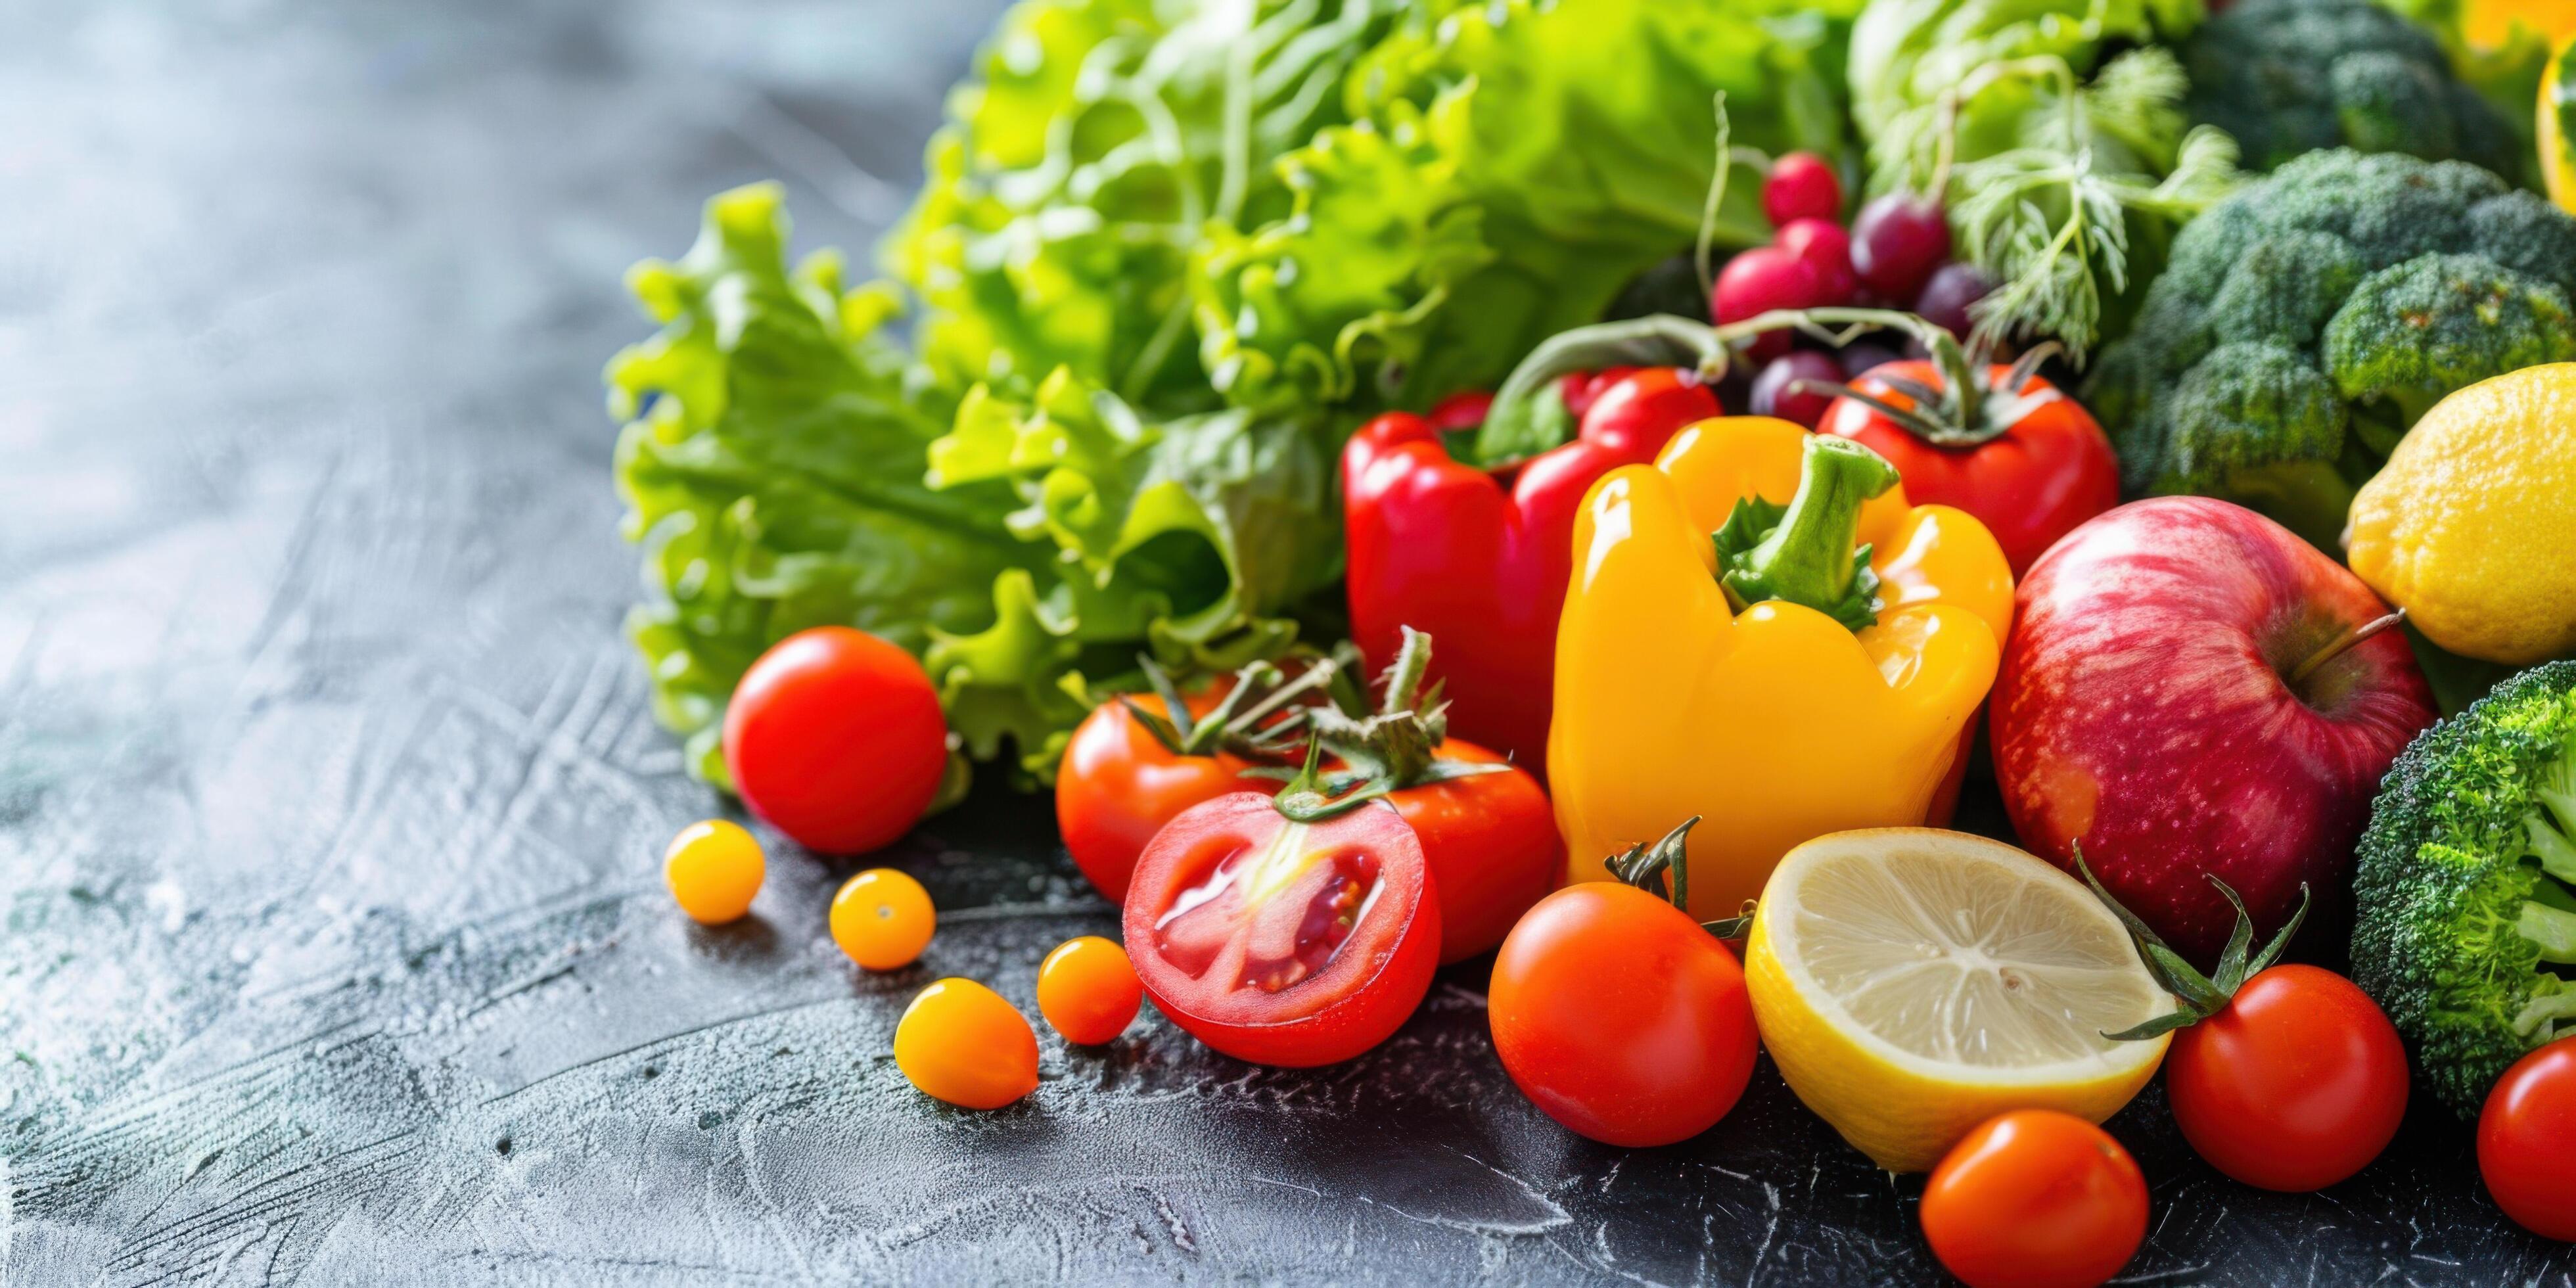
{"x":2298,"y":1082}
{"x":2035,"y":1198}
{"x":2527,"y":1141}
{"x":1491,"y":843}
{"x":836,"y":738}
{"x":2047,"y":471}
{"x":1116,"y":787}
{"x":1622,"y":1018}
{"x":1284,"y":943}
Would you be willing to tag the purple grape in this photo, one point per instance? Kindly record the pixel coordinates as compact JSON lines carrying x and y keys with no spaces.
{"x":1945,"y":299}
{"x":1772,"y":396}
{"x":1897,"y":242}
{"x":1861,"y":355}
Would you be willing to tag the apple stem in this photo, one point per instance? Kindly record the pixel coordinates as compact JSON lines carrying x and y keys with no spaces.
{"x":2335,"y":648}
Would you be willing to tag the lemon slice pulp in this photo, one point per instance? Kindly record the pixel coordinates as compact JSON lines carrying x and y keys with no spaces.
{"x":1911,"y":983}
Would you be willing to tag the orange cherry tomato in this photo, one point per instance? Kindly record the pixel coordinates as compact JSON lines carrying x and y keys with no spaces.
{"x":883,"y":919}
{"x":2035,"y":1198}
{"x":1088,"y":990}
{"x":1617,"y":1014}
{"x":960,"y":1042}
{"x":2298,"y":1082}
{"x":714,"y":868}
{"x":2527,"y":1141}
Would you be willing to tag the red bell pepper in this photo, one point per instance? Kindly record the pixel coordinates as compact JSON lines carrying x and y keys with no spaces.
{"x":1479,"y":556}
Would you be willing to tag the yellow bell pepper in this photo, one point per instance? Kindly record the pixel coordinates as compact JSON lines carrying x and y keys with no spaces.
{"x":1758,"y":678}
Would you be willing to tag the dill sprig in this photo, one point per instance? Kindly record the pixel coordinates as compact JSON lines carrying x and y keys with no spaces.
{"x":2049,"y":219}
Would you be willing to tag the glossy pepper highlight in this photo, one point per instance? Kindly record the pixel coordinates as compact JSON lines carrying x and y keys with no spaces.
{"x":1762,"y":630}
{"x":1476,"y":552}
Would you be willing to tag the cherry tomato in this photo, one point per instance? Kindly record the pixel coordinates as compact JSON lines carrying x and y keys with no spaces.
{"x":1279,"y":942}
{"x":2035,"y":1198}
{"x":1116,"y":787}
{"x":714,"y":869}
{"x":1622,"y":1018}
{"x":883,"y":919}
{"x":961,"y":1042}
{"x":1492,"y":845}
{"x":1087,"y":989}
{"x":2048,"y":470}
{"x":835,"y":736}
{"x":2298,"y":1082}
{"x":2527,"y":1141}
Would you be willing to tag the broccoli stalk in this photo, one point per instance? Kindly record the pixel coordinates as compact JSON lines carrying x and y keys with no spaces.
{"x":2466,"y":913}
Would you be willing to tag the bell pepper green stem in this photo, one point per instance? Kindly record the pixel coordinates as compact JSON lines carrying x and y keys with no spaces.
{"x":1807,"y":556}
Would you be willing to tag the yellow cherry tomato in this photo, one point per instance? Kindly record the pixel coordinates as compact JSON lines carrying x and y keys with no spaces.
{"x":714,"y":869}
{"x":960,"y":1042}
{"x":882,"y":918}
{"x":1088,"y":990}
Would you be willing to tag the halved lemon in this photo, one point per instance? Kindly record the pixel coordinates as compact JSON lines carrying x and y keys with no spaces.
{"x":1912,"y":983}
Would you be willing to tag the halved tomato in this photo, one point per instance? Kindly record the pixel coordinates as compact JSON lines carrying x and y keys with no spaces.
{"x":1281,"y":942}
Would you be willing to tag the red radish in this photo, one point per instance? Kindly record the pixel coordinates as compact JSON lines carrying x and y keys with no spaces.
{"x":1896,"y":243}
{"x":1772,"y":395}
{"x":2190,"y":688}
{"x":1760,"y":280}
{"x":1826,"y":248}
{"x":1802,"y":186}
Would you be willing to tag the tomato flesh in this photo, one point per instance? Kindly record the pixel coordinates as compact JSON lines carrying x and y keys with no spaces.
{"x":1281,"y":942}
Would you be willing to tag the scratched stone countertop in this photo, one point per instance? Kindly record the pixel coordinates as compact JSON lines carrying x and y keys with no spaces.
{"x":335,"y":950}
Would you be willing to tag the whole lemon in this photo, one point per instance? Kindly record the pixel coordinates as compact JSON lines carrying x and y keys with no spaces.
{"x":2469,"y":526}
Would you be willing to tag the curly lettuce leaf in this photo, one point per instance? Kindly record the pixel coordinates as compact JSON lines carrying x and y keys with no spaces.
{"x":771,"y":465}
{"x":1508,"y":169}
{"x":1907,"y":55}
{"x":1068,"y":190}
{"x":1196,"y":534}
{"x":783,"y":468}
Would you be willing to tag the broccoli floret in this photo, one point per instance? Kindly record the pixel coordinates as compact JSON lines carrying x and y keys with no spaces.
{"x":2292,"y":76}
{"x":2412,"y":333}
{"x":2523,"y":232}
{"x":2465,"y":930}
{"x":2285,"y":288}
{"x":2306,"y":321}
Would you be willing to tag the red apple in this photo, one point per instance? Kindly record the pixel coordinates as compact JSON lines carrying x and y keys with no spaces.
{"x":2184,"y":694}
